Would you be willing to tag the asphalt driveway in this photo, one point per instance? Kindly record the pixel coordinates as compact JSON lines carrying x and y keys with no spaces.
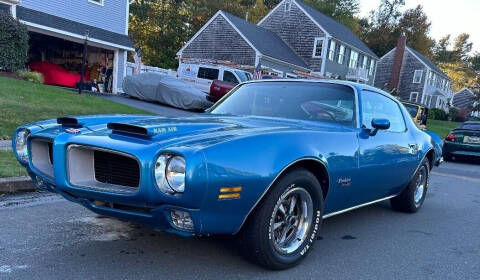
{"x":44,"y":237}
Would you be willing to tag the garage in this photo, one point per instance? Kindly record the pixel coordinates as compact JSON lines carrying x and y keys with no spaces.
{"x":56,"y":51}
{"x":60,"y":61}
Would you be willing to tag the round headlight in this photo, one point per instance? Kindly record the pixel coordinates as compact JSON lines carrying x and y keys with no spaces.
{"x":176,"y":173}
{"x":21,"y":145}
{"x":160,"y":167}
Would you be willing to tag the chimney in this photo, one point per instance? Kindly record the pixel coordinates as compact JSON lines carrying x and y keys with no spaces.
{"x":397,"y":62}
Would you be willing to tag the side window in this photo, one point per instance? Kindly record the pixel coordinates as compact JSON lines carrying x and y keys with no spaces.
{"x":229,"y":77}
{"x":208,"y":73}
{"x":377,"y":106}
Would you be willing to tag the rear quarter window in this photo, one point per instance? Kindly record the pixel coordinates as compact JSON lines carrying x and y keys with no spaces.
{"x":208,"y":73}
{"x":379,"y":106}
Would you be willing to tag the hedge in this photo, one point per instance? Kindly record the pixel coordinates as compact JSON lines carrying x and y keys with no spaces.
{"x":13,"y":43}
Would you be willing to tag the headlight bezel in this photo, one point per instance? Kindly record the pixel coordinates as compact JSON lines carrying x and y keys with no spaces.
{"x":164,"y":180}
{"x":21,"y":147}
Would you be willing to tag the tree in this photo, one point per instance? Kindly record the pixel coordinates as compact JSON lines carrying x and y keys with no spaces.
{"x":415,"y":25}
{"x":388,"y":13}
{"x":462,"y":47}
{"x":380,"y":31}
{"x":343,"y":11}
{"x":461,"y":74}
{"x":13,"y":43}
{"x":475,"y":61}
{"x":159,"y":28}
{"x":441,"y":50}
{"x":258,"y":11}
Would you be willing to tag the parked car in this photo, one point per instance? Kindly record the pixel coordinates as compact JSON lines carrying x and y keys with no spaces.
{"x":418,"y":113}
{"x":218,"y":89}
{"x":268,"y":162}
{"x":54,"y":74}
{"x":463,"y":141}
{"x":201,"y":76}
{"x":165,"y":89}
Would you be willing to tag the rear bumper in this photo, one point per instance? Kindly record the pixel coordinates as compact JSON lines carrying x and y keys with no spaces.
{"x":461,"y":149}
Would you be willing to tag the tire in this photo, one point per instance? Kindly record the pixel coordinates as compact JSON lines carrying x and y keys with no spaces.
{"x":409,"y":200}
{"x":268,"y":225}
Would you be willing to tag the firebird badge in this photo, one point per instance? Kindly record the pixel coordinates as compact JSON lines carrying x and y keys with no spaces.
{"x":344,"y":182}
{"x":73,"y":130}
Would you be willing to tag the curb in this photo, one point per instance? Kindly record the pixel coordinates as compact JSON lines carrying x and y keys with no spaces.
{"x":16,"y":184}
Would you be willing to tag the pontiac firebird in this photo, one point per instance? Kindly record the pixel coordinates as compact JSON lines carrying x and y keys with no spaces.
{"x":268,"y":162}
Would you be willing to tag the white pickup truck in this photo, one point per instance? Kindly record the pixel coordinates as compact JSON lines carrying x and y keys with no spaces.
{"x":202,"y":75}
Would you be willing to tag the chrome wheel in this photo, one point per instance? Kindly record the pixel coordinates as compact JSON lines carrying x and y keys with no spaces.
{"x":421,"y":184}
{"x":291,"y":220}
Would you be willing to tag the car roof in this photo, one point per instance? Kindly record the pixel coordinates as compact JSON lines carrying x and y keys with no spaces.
{"x":357,"y":86}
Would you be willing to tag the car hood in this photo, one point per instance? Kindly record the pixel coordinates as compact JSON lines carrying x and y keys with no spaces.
{"x":201,"y":129}
{"x":210,"y":128}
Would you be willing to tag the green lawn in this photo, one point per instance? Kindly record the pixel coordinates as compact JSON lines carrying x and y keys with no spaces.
{"x":442,"y":128}
{"x":9,"y":166}
{"x":23,"y":102}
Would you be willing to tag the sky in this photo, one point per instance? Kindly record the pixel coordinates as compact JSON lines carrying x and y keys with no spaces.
{"x":447,"y":16}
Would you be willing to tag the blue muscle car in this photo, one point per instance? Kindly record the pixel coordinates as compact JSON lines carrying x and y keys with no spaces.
{"x":269,"y":161}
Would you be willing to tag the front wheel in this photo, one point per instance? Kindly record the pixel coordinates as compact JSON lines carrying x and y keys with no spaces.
{"x":411,"y":199}
{"x":284,"y":226}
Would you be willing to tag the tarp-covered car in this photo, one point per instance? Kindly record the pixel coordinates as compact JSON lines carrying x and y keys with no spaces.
{"x":165,"y":89}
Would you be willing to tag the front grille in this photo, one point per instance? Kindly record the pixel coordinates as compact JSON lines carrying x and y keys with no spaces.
{"x":103,"y":170}
{"x":115,"y":169}
{"x":42,"y":155}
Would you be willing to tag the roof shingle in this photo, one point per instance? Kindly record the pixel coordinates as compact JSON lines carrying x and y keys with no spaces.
{"x":266,"y":41}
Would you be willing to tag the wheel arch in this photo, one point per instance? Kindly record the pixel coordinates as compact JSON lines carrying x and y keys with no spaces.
{"x":317,"y":167}
{"x":431,"y":157}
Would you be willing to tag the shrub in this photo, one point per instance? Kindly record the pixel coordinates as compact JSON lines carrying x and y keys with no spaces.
{"x":437,"y":114}
{"x":13,"y":43}
{"x":453,"y":113}
{"x":33,"y":77}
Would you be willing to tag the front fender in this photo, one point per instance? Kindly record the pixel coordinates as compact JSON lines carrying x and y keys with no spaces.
{"x":254,"y":163}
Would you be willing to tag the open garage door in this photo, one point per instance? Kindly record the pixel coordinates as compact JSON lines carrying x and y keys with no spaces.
{"x":60,"y":62}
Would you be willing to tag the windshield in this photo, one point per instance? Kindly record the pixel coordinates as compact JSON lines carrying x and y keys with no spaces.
{"x":293,"y":100}
{"x":412,"y":109}
{"x":242,"y":76}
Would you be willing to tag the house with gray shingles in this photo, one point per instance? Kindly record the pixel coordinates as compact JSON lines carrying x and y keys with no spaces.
{"x":414,"y":76}
{"x":464,"y":99}
{"x":292,"y":37}
{"x":58,"y":28}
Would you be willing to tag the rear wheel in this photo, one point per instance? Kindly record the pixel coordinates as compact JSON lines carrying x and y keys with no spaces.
{"x":284,"y":226}
{"x":411,"y":199}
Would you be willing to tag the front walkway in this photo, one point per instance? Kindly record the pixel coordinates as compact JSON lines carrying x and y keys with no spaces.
{"x":5,"y":145}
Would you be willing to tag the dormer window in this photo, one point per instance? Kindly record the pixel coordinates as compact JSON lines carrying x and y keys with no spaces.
{"x":97,"y":2}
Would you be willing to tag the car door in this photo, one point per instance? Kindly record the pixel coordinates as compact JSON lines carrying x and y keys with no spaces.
{"x":385,"y":159}
{"x":205,"y":78}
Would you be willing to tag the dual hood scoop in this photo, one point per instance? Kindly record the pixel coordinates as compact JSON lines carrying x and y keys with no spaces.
{"x":121,"y":128}
{"x":69,"y":122}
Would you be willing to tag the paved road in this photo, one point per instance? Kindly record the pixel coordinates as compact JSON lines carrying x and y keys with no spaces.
{"x":44,"y":237}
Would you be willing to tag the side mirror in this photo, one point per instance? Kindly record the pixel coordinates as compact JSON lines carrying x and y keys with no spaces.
{"x":379,"y":124}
